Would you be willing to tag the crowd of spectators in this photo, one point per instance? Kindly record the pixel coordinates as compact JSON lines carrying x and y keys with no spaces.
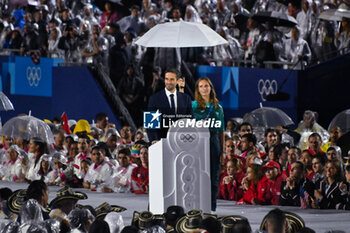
{"x":85,"y":31}
{"x":304,"y":167}
{"x":79,"y":31}
{"x":263,"y":171}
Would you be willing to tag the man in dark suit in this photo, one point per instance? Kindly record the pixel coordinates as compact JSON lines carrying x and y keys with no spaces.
{"x":170,"y":102}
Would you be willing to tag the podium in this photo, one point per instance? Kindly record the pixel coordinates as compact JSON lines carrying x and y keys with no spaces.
{"x":179,"y":170}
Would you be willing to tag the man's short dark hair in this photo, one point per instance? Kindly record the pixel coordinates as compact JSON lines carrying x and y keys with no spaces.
{"x":210,"y":224}
{"x":277,"y":149}
{"x":321,"y":158}
{"x":87,"y":160}
{"x":316,"y":135}
{"x":100,"y":116}
{"x":84,"y":137}
{"x":241,"y":226}
{"x":171,"y":1}
{"x":250,"y":137}
{"x":115,"y":26}
{"x":35,"y":190}
{"x":243,"y":124}
{"x":297,"y":149}
{"x":269,"y":130}
{"x":301,"y":165}
{"x":276,"y":220}
{"x":57,"y":118}
{"x":174,"y":71}
{"x":103,"y":146}
{"x":125,"y":151}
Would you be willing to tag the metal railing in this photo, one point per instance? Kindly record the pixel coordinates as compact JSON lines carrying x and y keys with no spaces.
{"x":117,"y":104}
{"x":252,"y":63}
{"x":190,"y":81}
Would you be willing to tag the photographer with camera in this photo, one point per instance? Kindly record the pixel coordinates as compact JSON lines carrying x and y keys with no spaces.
{"x":69,"y":43}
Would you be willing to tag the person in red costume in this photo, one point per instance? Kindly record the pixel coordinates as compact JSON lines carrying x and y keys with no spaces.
{"x":269,"y":188}
{"x":250,"y":184}
{"x":230,"y":183}
{"x":306,"y":159}
{"x":108,"y":16}
{"x":139,"y":175}
{"x":230,"y":154}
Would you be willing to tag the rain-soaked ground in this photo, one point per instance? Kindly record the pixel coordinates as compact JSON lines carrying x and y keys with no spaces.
{"x":319,"y":220}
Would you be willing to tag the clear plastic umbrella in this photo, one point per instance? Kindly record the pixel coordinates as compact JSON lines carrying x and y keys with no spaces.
{"x":342,"y":120}
{"x":267,"y":117}
{"x":27,"y":127}
{"x":5,"y":103}
{"x":335,"y":14}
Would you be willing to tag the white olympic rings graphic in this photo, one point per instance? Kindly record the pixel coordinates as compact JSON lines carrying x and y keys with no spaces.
{"x":266,"y":87}
{"x":33,"y":75}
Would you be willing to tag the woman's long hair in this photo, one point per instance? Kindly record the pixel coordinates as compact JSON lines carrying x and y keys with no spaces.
{"x":212,"y":97}
{"x":339,"y":175}
{"x":257,"y":170}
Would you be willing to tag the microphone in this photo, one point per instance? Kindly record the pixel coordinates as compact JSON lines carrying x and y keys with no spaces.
{"x":278,"y":96}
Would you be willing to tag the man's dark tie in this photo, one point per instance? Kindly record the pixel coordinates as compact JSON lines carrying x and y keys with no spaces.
{"x":172,"y":107}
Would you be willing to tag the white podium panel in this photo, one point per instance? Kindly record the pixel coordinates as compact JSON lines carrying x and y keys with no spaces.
{"x":179,"y":170}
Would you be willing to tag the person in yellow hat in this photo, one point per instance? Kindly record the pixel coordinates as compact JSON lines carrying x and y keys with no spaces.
{"x":83,"y":128}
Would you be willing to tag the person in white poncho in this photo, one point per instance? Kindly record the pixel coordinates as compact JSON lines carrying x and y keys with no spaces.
{"x":122,"y":177}
{"x":37,"y":149}
{"x":297,"y":50}
{"x":13,"y":168}
{"x":100,"y":172}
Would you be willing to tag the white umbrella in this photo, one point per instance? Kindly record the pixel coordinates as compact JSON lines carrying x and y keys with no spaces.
{"x":335,"y":14}
{"x":180,"y":35}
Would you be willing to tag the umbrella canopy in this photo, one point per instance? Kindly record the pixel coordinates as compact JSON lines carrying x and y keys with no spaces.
{"x":242,"y":17}
{"x":277,"y":18}
{"x":342,"y":120}
{"x":267,"y":117}
{"x":16,"y":3}
{"x":27,"y":127}
{"x":335,"y":14}
{"x":179,"y":35}
{"x":329,"y":15}
{"x":5,"y":103}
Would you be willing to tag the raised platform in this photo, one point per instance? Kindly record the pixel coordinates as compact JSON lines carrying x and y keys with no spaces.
{"x":319,"y":220}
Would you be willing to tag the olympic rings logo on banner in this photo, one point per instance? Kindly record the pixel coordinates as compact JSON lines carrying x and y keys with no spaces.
{"x":266,"y":87}
{"x":187,"y":137}
{"x":33,"y":75}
